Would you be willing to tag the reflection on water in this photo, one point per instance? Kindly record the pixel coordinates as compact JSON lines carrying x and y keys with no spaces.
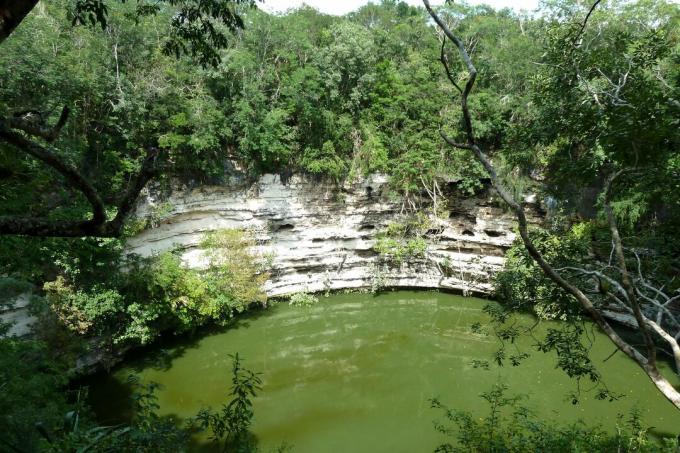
{"x":355,"y":373}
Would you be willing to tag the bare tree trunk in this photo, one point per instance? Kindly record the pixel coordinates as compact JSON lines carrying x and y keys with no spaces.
{"x":12,"y":12}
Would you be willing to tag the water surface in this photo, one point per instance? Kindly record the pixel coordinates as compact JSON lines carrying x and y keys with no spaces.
{"x":355,"y":373}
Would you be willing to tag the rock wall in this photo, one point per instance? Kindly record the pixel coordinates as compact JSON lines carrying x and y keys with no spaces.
{"x":322,"y":236}
{"x":14,"y":311}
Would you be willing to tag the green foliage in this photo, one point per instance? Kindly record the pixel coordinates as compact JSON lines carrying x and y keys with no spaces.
{"x":603,"y":105}
{"x":400,"y":251}
{"x":299,"y":92}
{"x":147,"y":431}
{"x":324,"y":161}
{"x":234,"y":270}
{"x":160,"y":294}
{"x":231,"y":425}
{"x":40,"y":414}
{"x":196,"y":29}
{"x":523,"y":286}
{"x":303,"y":300}
{"x":32,"y":394}
{"x":403,"y":241}
{"x":510,"y":427}
{"x":12,"y":287}
{"x":84,"y":313}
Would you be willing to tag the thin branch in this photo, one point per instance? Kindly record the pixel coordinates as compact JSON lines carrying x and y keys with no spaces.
{"x":445,"y":63}
{"x":126,"y":205}
{"x":585,"y":21}
{"x":454,"y":143}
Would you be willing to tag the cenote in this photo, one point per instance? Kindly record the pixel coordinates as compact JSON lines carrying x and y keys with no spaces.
{"x":357,"y":371}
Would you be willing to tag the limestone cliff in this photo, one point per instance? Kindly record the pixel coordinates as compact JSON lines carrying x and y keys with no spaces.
{"x":321,"y":236}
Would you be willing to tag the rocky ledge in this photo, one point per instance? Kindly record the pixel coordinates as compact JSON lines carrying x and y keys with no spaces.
{"x":321,"y":236}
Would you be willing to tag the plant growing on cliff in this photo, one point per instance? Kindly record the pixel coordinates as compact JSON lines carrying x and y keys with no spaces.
{"x":403,"y":241}
{"x":161,"y":293}
{"x":303,"y":300}
{"x":234,"y":269}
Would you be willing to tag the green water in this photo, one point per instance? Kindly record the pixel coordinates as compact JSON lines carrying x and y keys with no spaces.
{"x":355,"y":373}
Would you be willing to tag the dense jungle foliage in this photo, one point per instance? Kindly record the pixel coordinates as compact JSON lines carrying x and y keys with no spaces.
{"x":558,"y":107}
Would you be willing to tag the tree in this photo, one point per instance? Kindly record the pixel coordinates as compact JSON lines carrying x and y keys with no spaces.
{"x":196,"y":28}
{"x":626,"y":293}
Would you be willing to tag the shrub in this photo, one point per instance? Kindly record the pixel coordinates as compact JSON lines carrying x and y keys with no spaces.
{"x":303,"y":300}
{"x":509,"y":427}
{"x":234,"y":269}
{"x":522,"y":285}
{"x":160,"y":293}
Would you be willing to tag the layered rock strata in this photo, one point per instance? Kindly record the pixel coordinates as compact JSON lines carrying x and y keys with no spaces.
{"x":321,"y":237}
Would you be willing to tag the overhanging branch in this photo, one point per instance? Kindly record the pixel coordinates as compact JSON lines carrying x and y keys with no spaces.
{"x":24,"y":122}
{"x":97,"y":225}
{"x":70,"y":174}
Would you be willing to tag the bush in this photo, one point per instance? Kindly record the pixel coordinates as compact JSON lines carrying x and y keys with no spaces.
{"x":160,"y":293}
{"x":523,"y":286}
{"x":511,"y":428}
{"x":31,"y":395}
{"x":303,"y":300}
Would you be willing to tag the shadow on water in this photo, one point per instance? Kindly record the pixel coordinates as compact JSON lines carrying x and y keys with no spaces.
{"x":198,"y":445}
{"x":112,"y":397}
{"x":163,"y":353}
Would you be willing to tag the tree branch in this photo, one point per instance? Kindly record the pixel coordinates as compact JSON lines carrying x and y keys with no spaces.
{"x":127,"y":203}
{"x":24,"y":123}
{"x":445,"y":63}
{"x":454,"y":143}
{"x":96,"y":226}
{"x":585,"y":21}
{"x":625,"y":275}
{"x":49,"y":157}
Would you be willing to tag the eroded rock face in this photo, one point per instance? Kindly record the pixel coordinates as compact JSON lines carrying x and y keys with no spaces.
{"x":15,"y":311}
{"x":322,"y":237}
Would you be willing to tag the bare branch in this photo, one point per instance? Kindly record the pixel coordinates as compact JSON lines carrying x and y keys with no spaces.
{"x":585,"y":21}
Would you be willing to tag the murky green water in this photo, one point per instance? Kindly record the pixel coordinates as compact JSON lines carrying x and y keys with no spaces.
{"x":355,"y":373}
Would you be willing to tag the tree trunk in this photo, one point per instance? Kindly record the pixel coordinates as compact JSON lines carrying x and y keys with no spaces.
{"x":12,"y":12}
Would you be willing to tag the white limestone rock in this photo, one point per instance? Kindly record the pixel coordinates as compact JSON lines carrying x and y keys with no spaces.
{"x":321,"y":236}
